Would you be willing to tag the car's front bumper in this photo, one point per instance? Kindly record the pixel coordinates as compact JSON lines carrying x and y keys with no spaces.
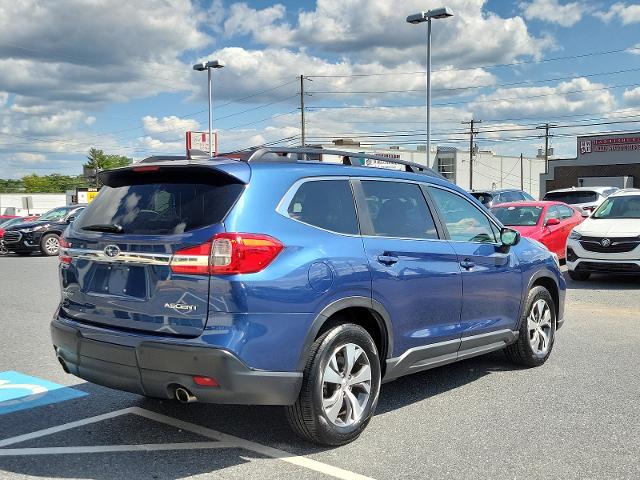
{"x":154,"y":369}
{"x":26,"y":242}
{"x":581,"y":260}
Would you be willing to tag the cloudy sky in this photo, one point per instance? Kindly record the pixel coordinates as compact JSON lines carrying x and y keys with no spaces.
{"x":117,"y":75}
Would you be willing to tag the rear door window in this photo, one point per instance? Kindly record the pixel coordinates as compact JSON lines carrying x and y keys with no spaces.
{"x":160,"y":208}
{"x":398,"y":210}
{"x":565,"y":212}
{"x":326,"y":204}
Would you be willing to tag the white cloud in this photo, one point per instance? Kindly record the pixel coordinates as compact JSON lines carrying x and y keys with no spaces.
{"x":168,"y":127}
{"x":28,"y":158}
{"x":552,"y":11}
{"x":575,"y":96}
{"x":632,"y":97}
{"x":627,"y":14}
{"x":377,"y":29}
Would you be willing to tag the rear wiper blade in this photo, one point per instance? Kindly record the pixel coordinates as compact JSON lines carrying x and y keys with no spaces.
{"x":105,"y":227}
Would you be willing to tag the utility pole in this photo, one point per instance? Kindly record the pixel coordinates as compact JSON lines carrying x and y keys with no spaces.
{"x":472,"y":132}
{"x":546,"y":128}
{"x":521,"y":171}
{"x":302,"y":110}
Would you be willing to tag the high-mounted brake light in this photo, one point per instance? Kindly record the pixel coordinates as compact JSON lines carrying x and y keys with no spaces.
{"x":149,"y":168}
{"x":228,"y":254}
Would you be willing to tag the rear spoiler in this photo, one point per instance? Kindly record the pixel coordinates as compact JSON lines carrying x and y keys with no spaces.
{"x":180,"y":169}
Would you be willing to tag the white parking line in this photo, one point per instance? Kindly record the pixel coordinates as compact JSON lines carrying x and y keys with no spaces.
{"x":143,"y":447}
{"x":222,"y":440}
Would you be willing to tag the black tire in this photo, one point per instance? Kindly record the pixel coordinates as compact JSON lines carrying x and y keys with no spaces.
{"x":307,"y":416}
{"x":522,"y":352}
{"x":44,"y":244}
{"x":579,"y":276}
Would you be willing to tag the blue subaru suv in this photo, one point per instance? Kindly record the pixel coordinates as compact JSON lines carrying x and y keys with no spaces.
{"x":281,"y":280}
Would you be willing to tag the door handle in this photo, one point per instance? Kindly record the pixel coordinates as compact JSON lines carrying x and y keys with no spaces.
{"x":467,"y":264}
{"x":387,"y":259}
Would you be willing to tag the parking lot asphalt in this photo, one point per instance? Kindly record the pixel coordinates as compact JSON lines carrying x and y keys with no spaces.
{"x":578,"y":416}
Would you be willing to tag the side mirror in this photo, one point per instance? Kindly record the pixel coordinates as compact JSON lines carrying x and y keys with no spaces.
{"x":70,"y":219}
{"x":553,"y":221}
{"x":509,"y":237}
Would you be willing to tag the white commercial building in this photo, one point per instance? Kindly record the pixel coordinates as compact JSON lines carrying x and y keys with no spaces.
{"x":490,"y":171}
{"x":24,"y":204}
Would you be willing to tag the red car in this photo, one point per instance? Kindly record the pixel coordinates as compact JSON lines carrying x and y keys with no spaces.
{"x":547,"y":222}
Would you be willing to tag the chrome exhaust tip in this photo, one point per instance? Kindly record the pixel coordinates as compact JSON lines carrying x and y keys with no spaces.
{"x":185,"y":396}
{"x":64,"y":364}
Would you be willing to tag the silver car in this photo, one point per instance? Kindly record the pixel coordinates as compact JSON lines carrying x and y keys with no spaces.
{"x":585,"y":199}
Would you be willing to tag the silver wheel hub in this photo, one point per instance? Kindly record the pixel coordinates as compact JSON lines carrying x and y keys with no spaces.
{"x":52,"y":245}
{"x":540,"y":327}
{"x":346,"y":385}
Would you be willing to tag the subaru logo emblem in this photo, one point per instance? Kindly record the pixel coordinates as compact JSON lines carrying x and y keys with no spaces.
{"x":605,"y":242}
{"x":111,"y":251}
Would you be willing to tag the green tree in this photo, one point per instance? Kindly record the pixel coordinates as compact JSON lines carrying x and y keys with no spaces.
{"x":98,"y":160}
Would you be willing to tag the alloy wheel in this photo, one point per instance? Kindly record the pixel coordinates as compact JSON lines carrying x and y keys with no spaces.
{"x":346,"y":385}
{"x":52,"y":245}
{"x":540,"y":327}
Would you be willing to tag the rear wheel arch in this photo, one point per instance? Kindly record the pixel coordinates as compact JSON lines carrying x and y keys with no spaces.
{"x":362,"y":311}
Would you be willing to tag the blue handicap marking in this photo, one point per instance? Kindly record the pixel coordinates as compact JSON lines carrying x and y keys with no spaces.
{"x":19,"y":392}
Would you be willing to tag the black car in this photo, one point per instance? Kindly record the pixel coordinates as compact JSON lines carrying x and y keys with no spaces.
{"x":42,"y":235}
{"x":491,"y":198}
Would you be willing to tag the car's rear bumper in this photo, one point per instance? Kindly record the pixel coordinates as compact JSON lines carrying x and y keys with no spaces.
{"x":155,"y":369}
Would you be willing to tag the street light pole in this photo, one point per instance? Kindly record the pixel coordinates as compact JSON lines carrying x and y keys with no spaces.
{"x":201,"y":67}
{"x":429,"y":94}
{"x":422,"y":17}
{"x":210,"y":114}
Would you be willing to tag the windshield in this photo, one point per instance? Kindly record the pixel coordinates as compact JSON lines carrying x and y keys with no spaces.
{"x":158,"y":208}
{"x":572,"y":198}
{"x":518,"y":216}
{"x":55,"y":214}
{"x":619,"y":207}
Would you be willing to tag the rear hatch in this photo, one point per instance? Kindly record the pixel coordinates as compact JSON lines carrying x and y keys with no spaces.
{"x":118,"y":264}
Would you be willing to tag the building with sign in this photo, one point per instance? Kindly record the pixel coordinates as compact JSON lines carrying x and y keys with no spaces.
{"x":601,"y":160}
{"x":490,"y":170}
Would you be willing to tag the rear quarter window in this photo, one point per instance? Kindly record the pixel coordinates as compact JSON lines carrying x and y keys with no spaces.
{"x":326,"y":204}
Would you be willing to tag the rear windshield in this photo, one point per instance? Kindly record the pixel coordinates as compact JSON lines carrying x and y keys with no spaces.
{"x":518,"y":216}
{"x":483,"y":197}
{"x":572,"y":198}
{"x":160,"y":208}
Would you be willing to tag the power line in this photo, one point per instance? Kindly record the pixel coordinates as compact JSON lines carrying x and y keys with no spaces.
{"x":495,"y":65}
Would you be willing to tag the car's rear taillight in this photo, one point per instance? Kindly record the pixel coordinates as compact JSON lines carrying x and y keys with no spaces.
{"x":62,"y":255}
{"x":227,"y":254}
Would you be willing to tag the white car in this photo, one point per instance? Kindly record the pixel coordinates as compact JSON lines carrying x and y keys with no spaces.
{"x":609,"y":240}
{"x":585,"y":199}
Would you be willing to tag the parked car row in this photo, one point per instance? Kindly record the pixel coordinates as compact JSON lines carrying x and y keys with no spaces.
{"x":25,"y":235}
{"x":595,"y":229}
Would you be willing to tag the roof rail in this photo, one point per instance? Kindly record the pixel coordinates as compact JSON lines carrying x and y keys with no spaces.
{"x":296,"y":154}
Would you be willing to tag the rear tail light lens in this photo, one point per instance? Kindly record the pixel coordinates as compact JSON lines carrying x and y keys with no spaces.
{"x":62,"y":255}
{"x":205,"y":381}
{"x":228,"y":254}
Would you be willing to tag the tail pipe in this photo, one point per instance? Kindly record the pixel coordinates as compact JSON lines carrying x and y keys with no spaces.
{"x":185,"y":396}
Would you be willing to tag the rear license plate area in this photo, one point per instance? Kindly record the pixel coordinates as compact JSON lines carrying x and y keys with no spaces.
{"x":119,"y":280}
